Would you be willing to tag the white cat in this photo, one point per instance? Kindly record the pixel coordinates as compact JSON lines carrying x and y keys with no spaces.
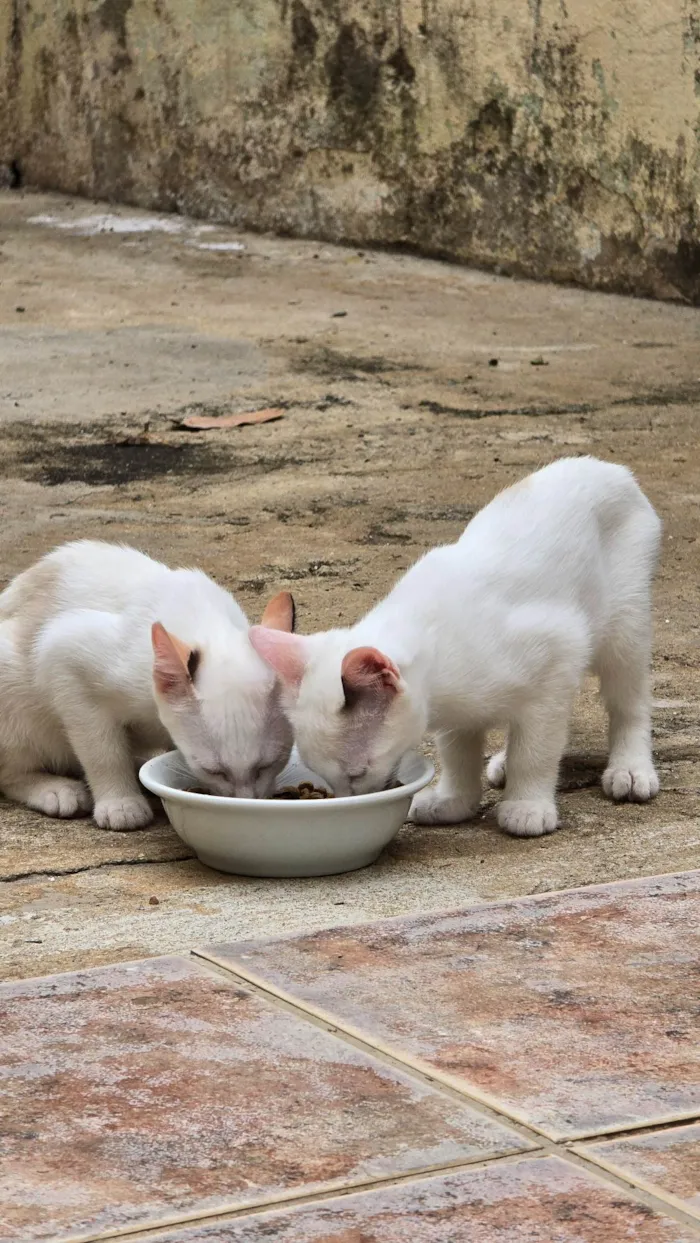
{"x":90,"y":677}
{"x":549,"y":580}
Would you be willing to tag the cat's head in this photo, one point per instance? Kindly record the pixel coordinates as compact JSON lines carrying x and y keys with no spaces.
{"x":221,"y":705}
{"x":353,"y":715}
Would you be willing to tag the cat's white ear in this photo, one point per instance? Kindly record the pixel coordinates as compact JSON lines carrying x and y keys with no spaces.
{"x":174,"y":663}
{"x":367,"y":671}
{"x":280,"y":613}
{"x":283,"y":652}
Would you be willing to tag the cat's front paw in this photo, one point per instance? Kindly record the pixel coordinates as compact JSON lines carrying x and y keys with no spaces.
{"x":638,"y":783}
{"x":62,"y":797}
{"x":496,"y":770}
{"x":432,"y":807}
{"x":123,"y":814}
{"x":527,"y":817}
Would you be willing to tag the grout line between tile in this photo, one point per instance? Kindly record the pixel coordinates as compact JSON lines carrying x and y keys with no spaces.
{"x":652,"y":1189}
{"x":663,"y":1123}
{"x":291,"y":1199}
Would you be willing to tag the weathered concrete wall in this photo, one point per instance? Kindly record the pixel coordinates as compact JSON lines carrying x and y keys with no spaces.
{"x":556,"y":138}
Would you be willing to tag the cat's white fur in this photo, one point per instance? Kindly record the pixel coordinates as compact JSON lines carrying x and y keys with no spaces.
{"x":551,"y":579}
{"x":106,"y":654}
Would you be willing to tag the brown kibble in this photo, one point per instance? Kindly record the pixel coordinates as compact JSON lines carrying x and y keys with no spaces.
{"x":305,"y":790}
{"x":154,"y":901}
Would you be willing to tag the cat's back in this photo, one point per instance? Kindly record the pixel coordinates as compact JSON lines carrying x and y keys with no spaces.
{"x":84,"y":574}
{"x":560,"y":502}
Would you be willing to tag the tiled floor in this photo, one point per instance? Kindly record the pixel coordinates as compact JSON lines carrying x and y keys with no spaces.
{"x":574,"y":1012}
{"x":460,"y":1057}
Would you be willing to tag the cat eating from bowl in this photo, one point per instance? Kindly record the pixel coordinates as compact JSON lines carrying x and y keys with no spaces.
{"x":106,"y":654}
{"x":550,"y":580}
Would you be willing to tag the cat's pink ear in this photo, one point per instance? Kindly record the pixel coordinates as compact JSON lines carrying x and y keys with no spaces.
{"x":366,"y":671}
{"x":285,"y":653}
{"x":174,"y":663}
{"x":280,"y":612}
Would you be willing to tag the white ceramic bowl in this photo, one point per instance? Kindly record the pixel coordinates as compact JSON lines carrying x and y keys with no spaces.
{"x":272,"y":837}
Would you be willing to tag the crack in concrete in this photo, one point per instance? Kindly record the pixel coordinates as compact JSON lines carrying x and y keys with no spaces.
{"x":89,"y":867}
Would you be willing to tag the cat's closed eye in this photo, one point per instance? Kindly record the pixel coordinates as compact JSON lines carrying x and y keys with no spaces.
{"x":215,"y":772}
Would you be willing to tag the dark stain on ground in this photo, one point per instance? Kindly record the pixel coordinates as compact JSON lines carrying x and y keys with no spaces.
{"x":465,"y":412}
{"x":256,"y":585}
{"x":378,"y":534}
{"x":69,"y":453}
{"x":110,"y":464}
{"x":314,"y":569}
{"x":431,"y":513}
{"x":670,"y":395}
{"x":580,"y":772}
{"x":51,"y":455}
{"x":333,"y":364}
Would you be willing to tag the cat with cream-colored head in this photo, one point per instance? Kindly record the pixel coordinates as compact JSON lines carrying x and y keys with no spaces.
{"x":551,"y":579}
{"x":106,"y":655}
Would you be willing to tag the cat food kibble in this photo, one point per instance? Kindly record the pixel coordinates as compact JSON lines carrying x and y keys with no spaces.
{"x":305,"y":790}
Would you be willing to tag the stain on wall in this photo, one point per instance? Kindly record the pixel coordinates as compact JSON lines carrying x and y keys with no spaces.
{"x":553,"y":138}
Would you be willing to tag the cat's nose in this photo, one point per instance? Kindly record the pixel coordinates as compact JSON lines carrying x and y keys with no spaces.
{"x":245,"y":789}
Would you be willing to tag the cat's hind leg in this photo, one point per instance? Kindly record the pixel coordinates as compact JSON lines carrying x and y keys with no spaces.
{"x":81,"y":660}
{"x":623,"y":667}
{"x":31,"y":741}
{"x":538,"y":725}
{"x":623,"y":662}
{"x":63,"y":797}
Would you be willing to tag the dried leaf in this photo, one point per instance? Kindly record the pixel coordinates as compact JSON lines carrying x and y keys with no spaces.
{"x":207,"y":422}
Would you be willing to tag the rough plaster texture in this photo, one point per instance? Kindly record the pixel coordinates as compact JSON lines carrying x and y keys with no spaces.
{"x":546,"y":138}
{"x":397,"y":426}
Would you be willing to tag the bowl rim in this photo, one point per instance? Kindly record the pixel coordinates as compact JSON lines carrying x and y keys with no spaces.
{"x":190,"y":799}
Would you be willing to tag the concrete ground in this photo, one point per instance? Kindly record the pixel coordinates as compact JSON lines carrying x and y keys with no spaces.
{"x":412,"y":391}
